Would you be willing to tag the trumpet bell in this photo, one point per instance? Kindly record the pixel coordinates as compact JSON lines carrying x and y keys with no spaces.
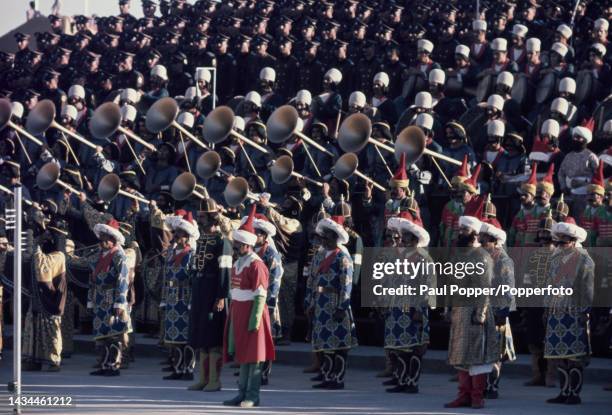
{"x":208,"y":164}
{"x":236,"y":191}
{"x":6,"y":110}
{"x":183,"y":186}
{"x":47,"y":176}
{"x":161,"y":115}
{"x":345,"y":166}
{"x":109,"y":187}
{"x":282,"y":124}
{"x":281,"y":169}
{"x":410,"y":141}
{"x":218,"y":124}
{"x":105,"y":120}
{"x":354,"y":133}
{"x":41,"y":117}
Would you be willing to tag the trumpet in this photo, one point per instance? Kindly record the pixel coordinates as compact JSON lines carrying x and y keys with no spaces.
{"x":282,"y":169}
{"x":237,"y":191}
{"x":42,"y":117}
{"x":110,"y":187}
{"x":6,"y":111}
{"x":218,"y":125}
{"x":106,"y":120}
{"x":162,"y":115}
{"x":283,"y":123}
{"x":49,"y":176}
{"x":347,"y":165}
{"x":184,"y":186}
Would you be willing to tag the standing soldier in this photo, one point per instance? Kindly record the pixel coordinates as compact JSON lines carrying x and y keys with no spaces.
{"x":266,"y":250}
{"x":42,"y":337}
{"x":211,"y":268}
{"x":177,"y":294}
{"x":492,"y":239}
{"x":107,"y":297}
{"x":595,"y":198}
{"x":571,"y":267}
{"x":473,"y":347}
{"x":523,"y":230}
{"x":329,"y":303}
{"x":248,"y":336}
{"x":407,"y":323}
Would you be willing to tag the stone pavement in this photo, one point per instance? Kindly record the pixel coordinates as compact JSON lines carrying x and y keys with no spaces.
{"x":141,"y":389}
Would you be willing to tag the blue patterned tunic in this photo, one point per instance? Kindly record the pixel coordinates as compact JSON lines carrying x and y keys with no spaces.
{"x":567,"y":326}
{"x":109,"y":291}
{"x":176,"y":295}
{"x":328,"y":292}
{"x":407,"y":320}
{"x":272,"y":258}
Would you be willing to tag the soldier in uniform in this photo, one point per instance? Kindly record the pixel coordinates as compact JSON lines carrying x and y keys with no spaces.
{"x":286,"y":66}
{"x":407,"y":321}
{"x":328,"y":303}
{"x":107,"y":297}
{"x":176,"y":293}
{"x":523,"y":230}
{"x":226,"y":69}
{"x":464,"y":189}
{"x":571,"y":266}
{"x":42,"y":338}
{"x":310,"y":70}
{"x":127,"y":76}
{"x":248,"y":337}
{"x":211,"y":268}
{"x":492,"y":238}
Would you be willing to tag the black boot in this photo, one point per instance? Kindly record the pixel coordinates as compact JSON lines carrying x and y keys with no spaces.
{"x":105,"y":350}
{"x":326,"y":369}
{"x":266,"y":369}
{"x":414,"y":373}
{"x":491,"y":392}
{"x":564,"y":382}
{"x":400,"y":374}
{"x":338,"y":372}
{"x":575,"y":386}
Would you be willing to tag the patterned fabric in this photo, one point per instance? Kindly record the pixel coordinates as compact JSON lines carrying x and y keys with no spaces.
{"x":600,"y":233}
{"x":272,"y":258}
{"x":524,"y":228}
{"x":567,"y":326}
{"x":67,"y":325}
{"x":577,"y":164}
{"x":449,"y":222}
{"x":177,"y":296}
{"x":330,"y":296}
{"x":586,"y":218}
{"x":42,"y":338}
{"x":109,"y":291}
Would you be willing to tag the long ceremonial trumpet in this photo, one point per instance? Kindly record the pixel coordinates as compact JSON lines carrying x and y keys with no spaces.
{"x":162,"y":115}
{"x":10,"y":192}
{"x":6,"y":110}
{"x":355,"y":133}
{"x":42,"y":117}
{"x":283,"y":123}
{"x":184,"y":186}
{"x":347,"y":165}
{"x":106,"y":120}
{"x":218,"y":125}
{"x":209,"y":164}
{"x":411,"y":141}
{"x":110,"y":187}
{"x":237,"y":191}
{"x":48,"y":176}
{"x":282,"y":171}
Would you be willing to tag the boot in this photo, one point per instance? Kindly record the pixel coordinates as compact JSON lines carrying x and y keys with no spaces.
{"x":215,"y":361}
{"x":316,"y":363}
{"x":575,"y":386}
{"x":178,"y":364}
{"x":203,"y":373}
{"x":537,"y":378}
{"x":266,"y":369}
{"x":400,"y":377}
{"x":551,"y":373}
{"x":251,"y":397}
{"x":103,"y":361}
{"x":389,"y":363}
{"x":564,"y":382}
{"x":491,"y":390}
{"x":339,"y":370}
{"x":465,"y":389}
{"x":479,"y":383}
{"x":189,"y":361}
{"x":243,"y":382}
{"x":326,"y":372}
{"x":414,"y":373}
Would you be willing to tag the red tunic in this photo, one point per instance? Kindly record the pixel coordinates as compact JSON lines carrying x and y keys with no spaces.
{"x":250,"y":346}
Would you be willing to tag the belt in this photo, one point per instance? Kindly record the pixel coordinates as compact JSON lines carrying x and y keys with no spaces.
{"x":238,"y":294}
{"x":327,"y":290}
{"x":181,"y":284}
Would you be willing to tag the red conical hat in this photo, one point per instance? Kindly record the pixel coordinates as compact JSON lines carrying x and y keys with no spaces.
{"x":597,"y":181}
{"x":400,"y":179}
{"x":530,"y":185}
{"x":547,"y":183}
{"x":246,"y":232}
{"x":462,"y":173}
{"x":471,"y":184}
{"x":475,"y":207}
{"x":339,"y":219}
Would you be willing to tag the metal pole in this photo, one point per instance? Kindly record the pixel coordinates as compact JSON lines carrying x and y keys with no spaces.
{"x":13,"y":217}
{"x":86,"y":8}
